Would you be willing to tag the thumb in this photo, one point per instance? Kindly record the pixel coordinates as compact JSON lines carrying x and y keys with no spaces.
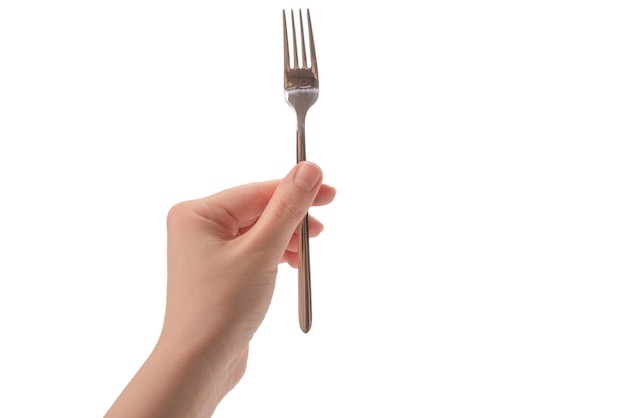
{"x":286,"y":209}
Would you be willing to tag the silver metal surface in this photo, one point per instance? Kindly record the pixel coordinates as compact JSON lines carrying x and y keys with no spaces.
{"x":301,"y":91}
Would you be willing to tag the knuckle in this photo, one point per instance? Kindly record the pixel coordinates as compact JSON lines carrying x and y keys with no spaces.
{"x":178,"y":215}
{"x":288,"y":210}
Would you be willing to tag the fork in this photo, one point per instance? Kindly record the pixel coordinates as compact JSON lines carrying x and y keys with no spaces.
{"x":301,"y":91}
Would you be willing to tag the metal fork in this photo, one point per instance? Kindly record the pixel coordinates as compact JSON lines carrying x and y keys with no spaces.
{"x":301,"y":91}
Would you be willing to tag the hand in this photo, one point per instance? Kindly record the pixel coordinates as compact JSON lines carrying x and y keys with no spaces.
{"x":223,"y":255}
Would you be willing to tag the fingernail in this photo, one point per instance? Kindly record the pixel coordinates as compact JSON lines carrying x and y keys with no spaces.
{"x":307,"y":176}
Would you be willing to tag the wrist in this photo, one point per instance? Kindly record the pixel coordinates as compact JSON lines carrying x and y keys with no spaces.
{"x":208,"y":368}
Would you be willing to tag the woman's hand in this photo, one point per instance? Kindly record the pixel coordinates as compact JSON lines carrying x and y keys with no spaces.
{"x":223,"y":255}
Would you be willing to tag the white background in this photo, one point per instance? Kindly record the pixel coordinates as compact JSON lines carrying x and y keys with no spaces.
{"x":473,"y":263}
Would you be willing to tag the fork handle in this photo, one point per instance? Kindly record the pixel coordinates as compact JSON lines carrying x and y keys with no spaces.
{"x":304,"y":276}
{"x":304,"y":265}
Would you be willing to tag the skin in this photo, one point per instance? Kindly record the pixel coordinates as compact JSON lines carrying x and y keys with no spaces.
{"x":223,"y":253}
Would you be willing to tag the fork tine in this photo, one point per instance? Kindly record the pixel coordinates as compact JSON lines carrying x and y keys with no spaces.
{"x":296,"y":62}
{"x":311,"y":43}
{"x":304,"y":63}
{"x":286,"y":42}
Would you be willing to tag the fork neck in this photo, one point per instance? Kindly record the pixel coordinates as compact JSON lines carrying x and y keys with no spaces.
{"x":300,"y":143}
{"x":301,"y":116}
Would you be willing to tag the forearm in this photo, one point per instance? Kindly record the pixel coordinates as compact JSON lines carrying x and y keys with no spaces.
{"x":177,"y":380}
